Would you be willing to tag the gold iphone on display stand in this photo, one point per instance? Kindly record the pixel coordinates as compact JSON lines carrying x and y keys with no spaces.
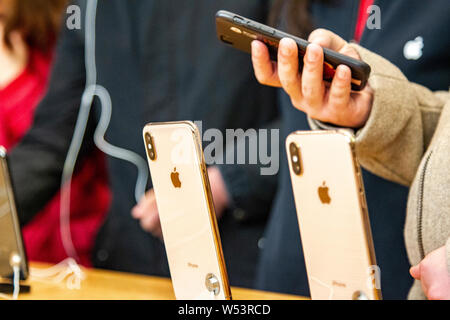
{"x":332,"y":215}
{"x":184,"y":201}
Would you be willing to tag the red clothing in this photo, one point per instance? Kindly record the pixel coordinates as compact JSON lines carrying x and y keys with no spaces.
{"x":42,"y":236}
{"x":362,"y":18}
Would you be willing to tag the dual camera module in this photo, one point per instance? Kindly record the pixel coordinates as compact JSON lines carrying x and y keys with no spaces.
{"x":294,"y":152}
{"x":150,"y":146}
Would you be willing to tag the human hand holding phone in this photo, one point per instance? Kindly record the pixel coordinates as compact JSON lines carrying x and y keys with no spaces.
{"x":335,"y":103}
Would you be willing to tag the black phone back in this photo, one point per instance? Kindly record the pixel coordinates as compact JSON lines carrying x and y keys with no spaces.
{"x":239,"y":32}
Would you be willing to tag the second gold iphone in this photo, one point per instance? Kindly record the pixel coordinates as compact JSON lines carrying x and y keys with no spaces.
{"x":332,"y":215}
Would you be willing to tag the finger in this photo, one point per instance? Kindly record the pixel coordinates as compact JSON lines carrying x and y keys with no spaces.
{"x":313,"y":87}
{"x":339,"y":94}
{"x":265,"y":69}
{"x":158,"y":232}
{"x":327,"y":39}
{"x":349,"y":51}
{"x":137,"y":211}
{"x":415,"y":272}
{"x":156,"y":229}
{"x":150,"y":222}
{"x":147,"y":203}
{"x":288,"y":68}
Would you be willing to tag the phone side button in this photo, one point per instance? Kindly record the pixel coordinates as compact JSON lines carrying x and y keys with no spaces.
{"x":238,"y":20}
{"x":266,"y":30}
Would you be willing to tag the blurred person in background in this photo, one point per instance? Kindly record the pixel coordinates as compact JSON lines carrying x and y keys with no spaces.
{"x":28,"y":33}
{"x":159,"y":61}
{"x":414,"y":36}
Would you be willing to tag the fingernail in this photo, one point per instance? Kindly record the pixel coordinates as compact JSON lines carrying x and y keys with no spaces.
{"x":255,"y":49}
{"x":343,"y":73}
{"x":312,"y":53}
{"x":286,"y":51}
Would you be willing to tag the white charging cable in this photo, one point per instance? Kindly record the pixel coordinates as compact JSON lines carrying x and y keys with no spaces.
{"x":67,"y":270}
{"x":329,"y":287}
{"x":16,"y":280}
{"x":92,"y":90}
{"x":80,"y":128}
{"x":14,"y":262}
{"x":116,"y":152}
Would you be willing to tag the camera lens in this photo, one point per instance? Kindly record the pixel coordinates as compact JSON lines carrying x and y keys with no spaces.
{"x":150,"y":147}
{"x":295,"y":159}
{"x":293,"y":147}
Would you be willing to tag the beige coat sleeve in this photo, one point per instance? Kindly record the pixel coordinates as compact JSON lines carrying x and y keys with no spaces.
{"x":402,"y":121}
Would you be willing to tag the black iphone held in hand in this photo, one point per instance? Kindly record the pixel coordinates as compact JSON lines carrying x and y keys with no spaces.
{"x":239,"y":32}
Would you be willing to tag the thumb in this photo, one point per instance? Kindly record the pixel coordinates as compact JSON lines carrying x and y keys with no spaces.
{"x":350,"y":52}
{"x":415,"y":272}
{"x":143,"y":205}
{"x":327,"y":39}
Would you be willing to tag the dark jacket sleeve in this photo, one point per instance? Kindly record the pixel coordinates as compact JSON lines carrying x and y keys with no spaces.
{"x":36,"y":163}
{"x":250,"y":191}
